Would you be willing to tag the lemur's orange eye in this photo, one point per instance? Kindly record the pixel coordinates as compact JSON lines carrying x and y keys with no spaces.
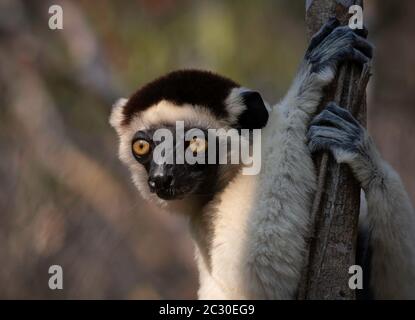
{"x":197,"y":145}
{"x":141,"y":147}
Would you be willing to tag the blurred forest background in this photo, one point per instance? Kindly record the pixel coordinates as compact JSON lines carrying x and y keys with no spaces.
{"x":64,"y":196}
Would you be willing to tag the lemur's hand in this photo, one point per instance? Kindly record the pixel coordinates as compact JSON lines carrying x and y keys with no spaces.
{"x":333,"y":44}
{"x":329,"y":47}
{"x":337,"y":131}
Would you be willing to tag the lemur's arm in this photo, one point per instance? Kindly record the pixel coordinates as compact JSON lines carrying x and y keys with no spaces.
{"x":390,"y":218}
{"x":280,"y":218}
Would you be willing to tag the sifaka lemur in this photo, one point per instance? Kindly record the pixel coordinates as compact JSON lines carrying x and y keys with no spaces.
{"x":249,"y":230}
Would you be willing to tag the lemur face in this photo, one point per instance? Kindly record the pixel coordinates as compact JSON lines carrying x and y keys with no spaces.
{"x":182,"y":107}
{"x":169,"y":178}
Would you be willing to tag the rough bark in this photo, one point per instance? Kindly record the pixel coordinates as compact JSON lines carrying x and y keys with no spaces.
{"x":335,"y":212}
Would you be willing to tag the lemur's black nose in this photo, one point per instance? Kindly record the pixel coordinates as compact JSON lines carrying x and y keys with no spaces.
{"x":160,"y":182}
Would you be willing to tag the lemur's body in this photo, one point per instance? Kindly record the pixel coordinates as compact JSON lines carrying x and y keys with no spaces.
{"x":250,"y":230}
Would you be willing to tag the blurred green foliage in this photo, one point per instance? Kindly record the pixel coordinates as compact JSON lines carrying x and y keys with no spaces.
{"x":258,"y":43}
{"x":65,"y":198}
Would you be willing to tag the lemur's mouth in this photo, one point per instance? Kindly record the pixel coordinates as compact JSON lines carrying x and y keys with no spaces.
{"x":170,"y":194}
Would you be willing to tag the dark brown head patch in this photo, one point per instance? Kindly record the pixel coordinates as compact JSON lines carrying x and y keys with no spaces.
{"x":193,"y":87}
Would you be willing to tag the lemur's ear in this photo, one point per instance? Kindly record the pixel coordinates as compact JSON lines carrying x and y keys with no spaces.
{"x":255,"y":116}
{"x":117,"y":116}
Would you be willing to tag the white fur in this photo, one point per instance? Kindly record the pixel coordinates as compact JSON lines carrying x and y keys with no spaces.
{"x":250,"y":239}
{"x":234,"y":103}
{"x":391,"y":220}
{"x":116,"y":115}
{"x":260,"y":221}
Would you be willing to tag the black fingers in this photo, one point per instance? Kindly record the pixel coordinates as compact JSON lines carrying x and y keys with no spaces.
{"x":334,"y":129}
{"x":336,"y":117}
{"x":341,"y":112}
{"x":363,"y":45}
{"x":334,"y":44}
{"x":355,"y":47}
{"x":361,"y":32}
{"x":323,"y":139}
{"x":324,"y":31}
{"x":333,"y":134}
{"x":354,"y":55}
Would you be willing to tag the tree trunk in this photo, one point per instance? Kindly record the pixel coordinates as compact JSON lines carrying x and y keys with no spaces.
{"x":335,"y":213}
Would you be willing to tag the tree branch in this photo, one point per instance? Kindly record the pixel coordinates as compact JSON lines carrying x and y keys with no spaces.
{"x":335,"y":210}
